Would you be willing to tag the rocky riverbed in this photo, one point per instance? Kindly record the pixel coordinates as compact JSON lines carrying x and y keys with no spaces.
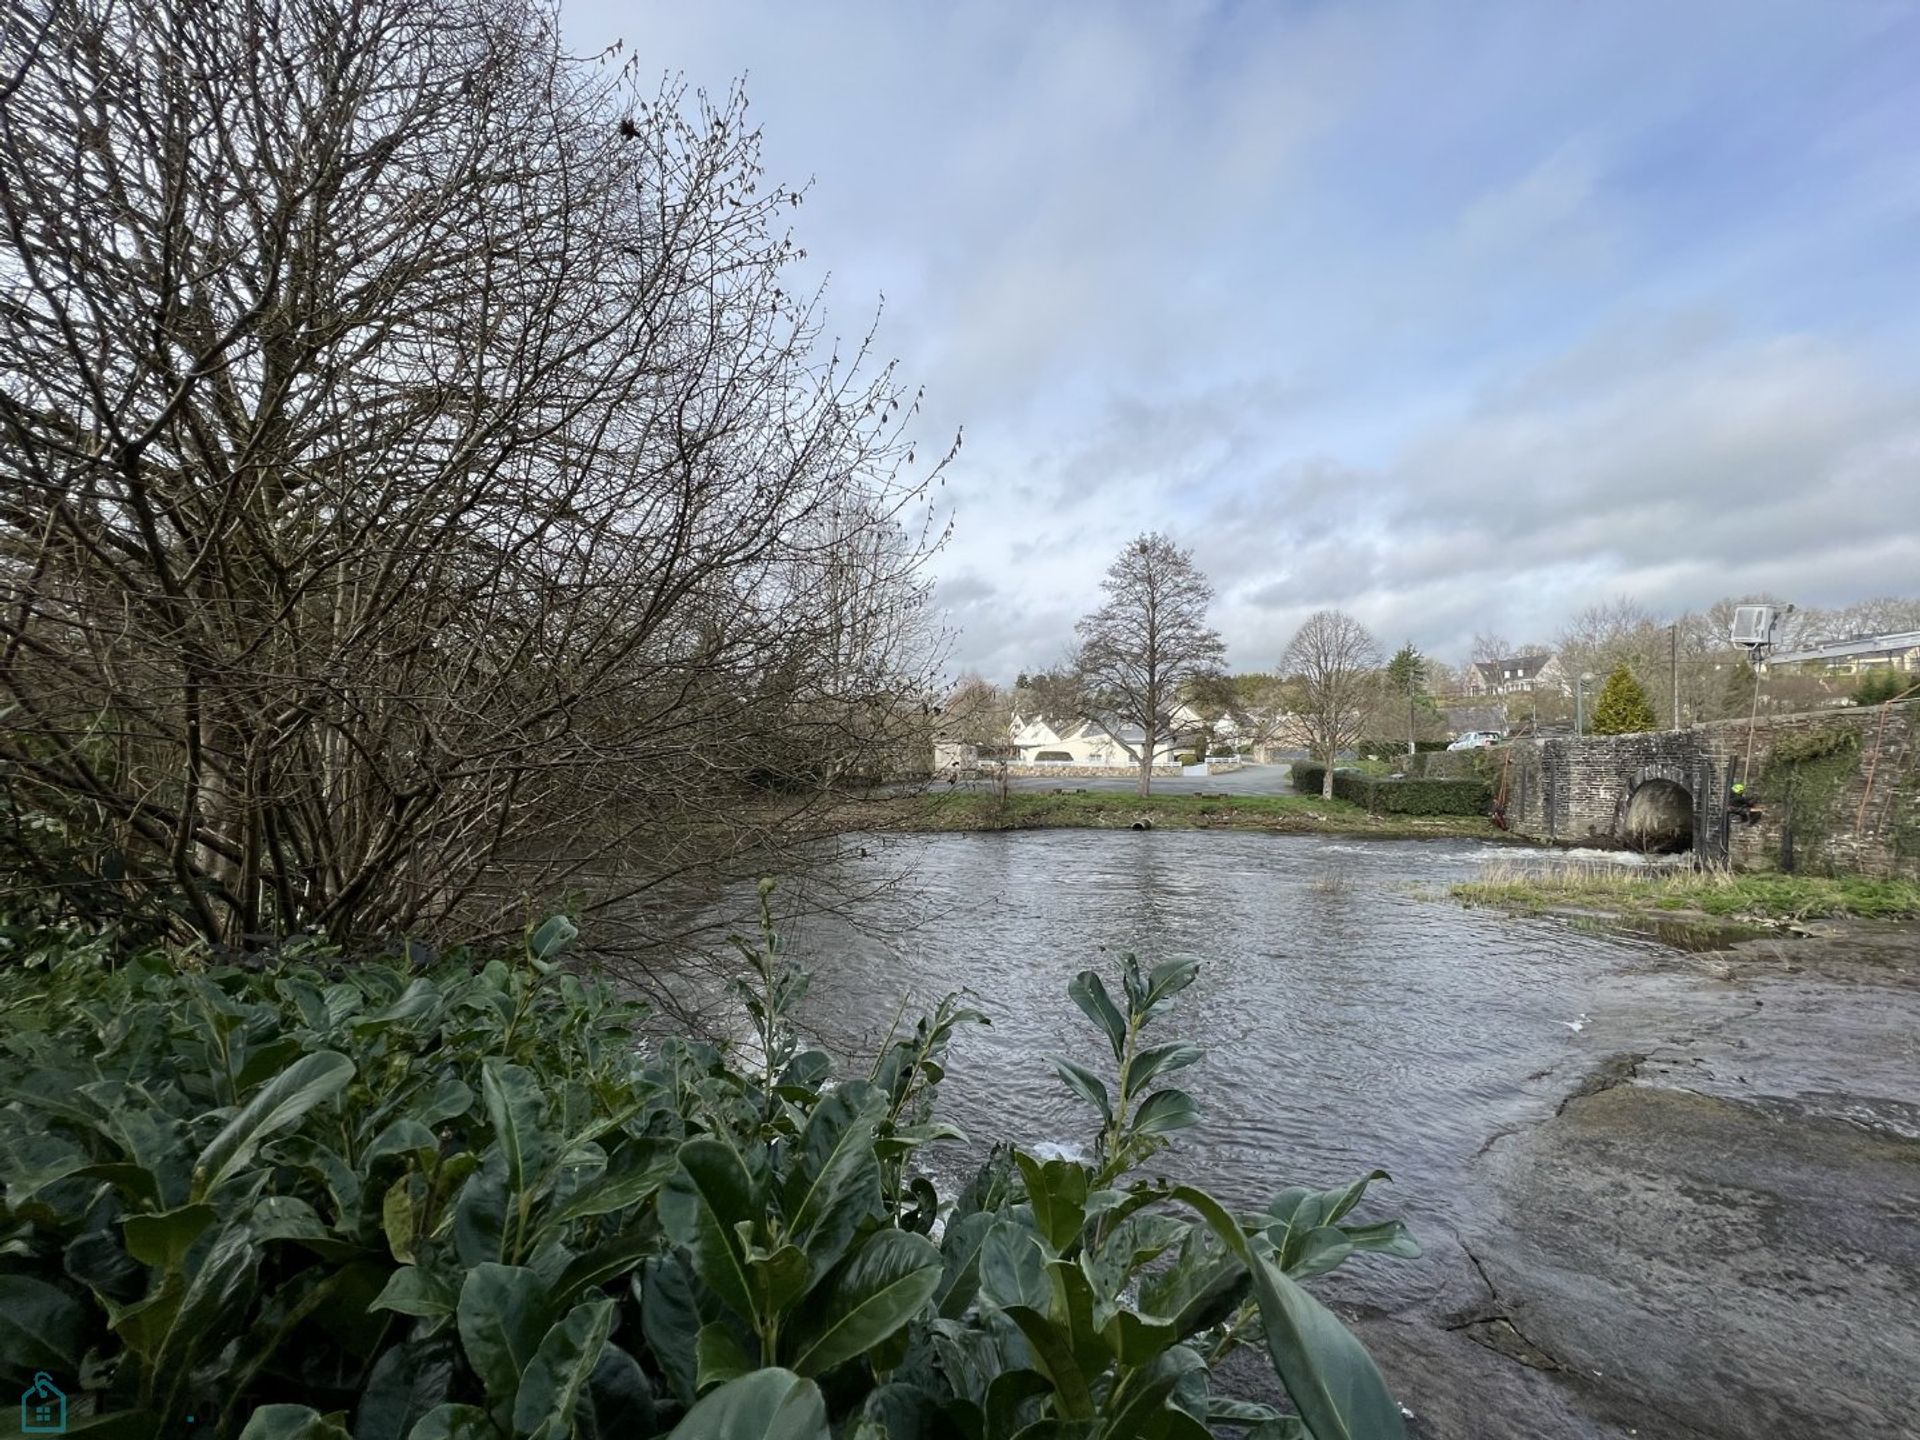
{"x":1716,"y":1233}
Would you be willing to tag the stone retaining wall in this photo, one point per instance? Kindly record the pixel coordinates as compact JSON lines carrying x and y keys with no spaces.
{"x":1085,"y":772}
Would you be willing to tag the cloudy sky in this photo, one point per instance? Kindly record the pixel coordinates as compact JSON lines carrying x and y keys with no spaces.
{"x":1455,"y":316}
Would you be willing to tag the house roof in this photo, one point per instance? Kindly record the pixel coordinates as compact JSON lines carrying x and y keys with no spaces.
{"x":1518,"y":667}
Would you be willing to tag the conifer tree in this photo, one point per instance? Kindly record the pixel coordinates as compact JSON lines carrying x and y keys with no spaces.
{"x":1622,"y":708}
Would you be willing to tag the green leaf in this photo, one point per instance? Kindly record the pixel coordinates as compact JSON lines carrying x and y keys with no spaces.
{"x":617,"y":1192}
{"x":502,"y":1318}
{"x":614,"y":1256}
{"x":42,"y":1327}
{"x":454,"y":1422}
{"x":1091,"y":996}
{"x":1169,"y":978}
{"x":1084,"y":1083}
{"x":396,"y":1219}
{"x":1165,"y":1110}
{"x":619,"y":1400}
{"x":307,"y":1082}
{"x":554,"y":935}
{"x":719,"y":1357}
{"x":402,"y":1137}
{"x":220,"y":1286}
{"x":164,"y":1239}
{"x":291,"y":1422}
{"x":708,"y":1194}
{"x":1013,"y":1267}
{"x":413,"y":1291}
{"x":516,"y":1108}
{"x":557,"y":1375}
{"x":480,"y":1214}
{"x":1052,"y":1347}
{"x":960,"y":1273}
{"x":1144,"y":1414}
{"x":873,"y":1292}
{"x":779,"y":1278}
{"x":1389,"y":1237}
{"x":1057,"y":1191}
{"x":670,"y":1319}
{"x":766,"y":1405}
{"x":1007,"y":1393}
{"x":1321,"y":1249}
{"x":835,"y":1183}
{"x":406,"y":1383}
{"x":1326,"y":1372}
{"x":1136,"y":1339}
{"x":1072,"y":1306}
{"x":1161,"y":1058}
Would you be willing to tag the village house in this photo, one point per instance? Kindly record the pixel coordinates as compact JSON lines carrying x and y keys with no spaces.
{"x":1517,"y":675}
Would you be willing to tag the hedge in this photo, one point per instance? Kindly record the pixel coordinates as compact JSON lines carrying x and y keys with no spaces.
{"x":1308,"y":776}
{"x":1408,"y":796}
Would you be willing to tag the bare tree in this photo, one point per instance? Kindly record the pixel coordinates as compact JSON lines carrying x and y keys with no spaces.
{"x":1338,"y":666}
{"x":1267,"y":708}
{"x":1489,"y":647}
{"x":1053,"y":695}
{"x":977,"y":713}
{"x":1144,"y":645}
{"x":421,"y":488}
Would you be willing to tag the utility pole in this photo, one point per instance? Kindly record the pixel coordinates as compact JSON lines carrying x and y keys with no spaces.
{"x":1673,"y":639}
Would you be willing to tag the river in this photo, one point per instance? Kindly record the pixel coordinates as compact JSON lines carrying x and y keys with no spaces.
{"x":1353,"y":1016}
{"x":1565,"y":1114}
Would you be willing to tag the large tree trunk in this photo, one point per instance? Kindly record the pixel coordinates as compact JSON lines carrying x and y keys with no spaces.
{"x":1146,"y":772}
{"x":1326,"y":780}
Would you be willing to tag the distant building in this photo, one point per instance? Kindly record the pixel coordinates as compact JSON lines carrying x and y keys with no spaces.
{"x":1899,"y":650}
{"x":1518,"y":675}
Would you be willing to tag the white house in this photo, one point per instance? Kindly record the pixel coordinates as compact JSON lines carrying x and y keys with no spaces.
{"x":1084,"y":742}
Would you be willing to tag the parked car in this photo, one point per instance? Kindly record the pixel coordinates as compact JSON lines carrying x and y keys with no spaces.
{"x":1477,"y":740}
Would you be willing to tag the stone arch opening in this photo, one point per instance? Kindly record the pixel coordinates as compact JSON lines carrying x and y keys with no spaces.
{"x":1659,"y":817}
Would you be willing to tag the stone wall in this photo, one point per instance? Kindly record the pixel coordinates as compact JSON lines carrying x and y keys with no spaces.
{"x":1856,"y":808}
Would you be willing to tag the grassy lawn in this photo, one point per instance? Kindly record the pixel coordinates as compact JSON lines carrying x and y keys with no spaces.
{"x":1031,"y":810}
{"x":1754,"y":896}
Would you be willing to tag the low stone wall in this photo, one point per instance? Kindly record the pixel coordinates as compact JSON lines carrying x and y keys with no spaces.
{"x":1085,"y":772}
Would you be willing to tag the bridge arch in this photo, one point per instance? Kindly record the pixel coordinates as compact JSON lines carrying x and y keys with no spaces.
{"x":1658,"y":815}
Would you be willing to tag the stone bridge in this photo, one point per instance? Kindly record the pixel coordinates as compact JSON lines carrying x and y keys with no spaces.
{"x":1837,"y":789}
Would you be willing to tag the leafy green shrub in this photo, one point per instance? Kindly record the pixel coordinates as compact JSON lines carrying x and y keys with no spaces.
{"x":1309,"y":776}
{"x":370,"y":1204}
{"x":1409,"y":795}
{"x":1876,"y":687}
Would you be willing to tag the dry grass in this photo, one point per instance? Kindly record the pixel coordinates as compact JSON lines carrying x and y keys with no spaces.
{"x":1630,"y":887}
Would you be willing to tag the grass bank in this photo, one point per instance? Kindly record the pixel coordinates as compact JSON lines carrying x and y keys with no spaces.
{"x":1760,"y":896}
{"x":1090,"y":809}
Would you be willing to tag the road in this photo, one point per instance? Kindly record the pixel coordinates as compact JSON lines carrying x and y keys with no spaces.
{"x":1248,"y":780}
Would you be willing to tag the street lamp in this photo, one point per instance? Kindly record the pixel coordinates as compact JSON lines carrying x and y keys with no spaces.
{"x":1580,"y":702}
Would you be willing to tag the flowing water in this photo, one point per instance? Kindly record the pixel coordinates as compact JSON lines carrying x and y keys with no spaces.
{"x":1352,"y":1015}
